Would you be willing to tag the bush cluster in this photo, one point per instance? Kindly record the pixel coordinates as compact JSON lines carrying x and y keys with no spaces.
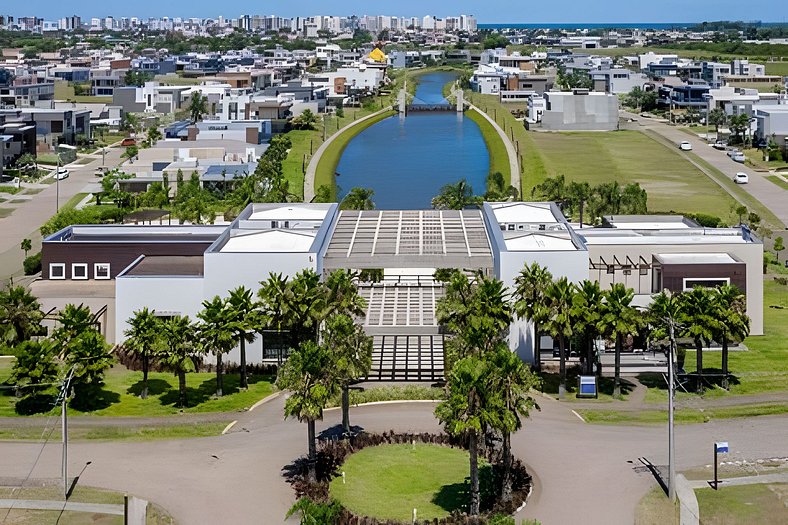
{"x":32,"y":264}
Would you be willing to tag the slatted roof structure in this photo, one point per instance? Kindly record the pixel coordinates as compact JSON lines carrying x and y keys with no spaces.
{"x":409,"y":239}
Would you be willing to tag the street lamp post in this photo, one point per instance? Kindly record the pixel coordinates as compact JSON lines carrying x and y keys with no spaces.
{"x":671,"y":435}
{"x":57,"y":184}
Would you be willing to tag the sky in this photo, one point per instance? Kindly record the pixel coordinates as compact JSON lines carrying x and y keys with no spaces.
{"x":486,"y":11}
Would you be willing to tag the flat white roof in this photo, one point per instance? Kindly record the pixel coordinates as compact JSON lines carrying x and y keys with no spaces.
{"x":270,"y":241}
{"x":289,"y":213}
{"x":655,"y":225}
{"x":534,"y":242}
{"x":525,"y":212}
{"x":612,"y":236}
{"x":695,"y":258}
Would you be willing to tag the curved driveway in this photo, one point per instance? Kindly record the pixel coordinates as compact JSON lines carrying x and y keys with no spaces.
{"x":583,"y":472}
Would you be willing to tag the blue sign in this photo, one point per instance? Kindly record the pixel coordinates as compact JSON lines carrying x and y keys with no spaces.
{"x":587,"y":386}
{"x":721,"y":447}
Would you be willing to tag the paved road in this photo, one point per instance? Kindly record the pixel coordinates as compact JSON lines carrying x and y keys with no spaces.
{"x":29,"y":216}
{"x":579,"y":469}
{"x":769,"y":194}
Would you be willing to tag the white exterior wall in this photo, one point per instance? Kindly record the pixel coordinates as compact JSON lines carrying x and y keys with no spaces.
{"x":226,"y":271}
{"x":183,"y":295}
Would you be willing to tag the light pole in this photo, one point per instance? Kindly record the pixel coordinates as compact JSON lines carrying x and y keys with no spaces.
{"x":57,"y":184}
{"x":671,"y":435}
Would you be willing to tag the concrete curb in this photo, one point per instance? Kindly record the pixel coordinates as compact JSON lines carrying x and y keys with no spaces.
{"x":689,"y":511}
{"x":265,"y":400}
{"x":229,"y":426}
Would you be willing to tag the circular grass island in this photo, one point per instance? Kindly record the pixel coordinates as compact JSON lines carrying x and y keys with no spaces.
{"x":388,"y":481}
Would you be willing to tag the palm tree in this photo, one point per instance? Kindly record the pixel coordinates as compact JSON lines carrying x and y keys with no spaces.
{"x":514,"y":381}
{"x":26,"y":245}
{"x":352,"y":356}
{"x":142,"y":334}
{"x":179,"y":353}
{"x":216,"y":334}
{"x":307,"y":305}
{"x":560,"y":296}
{"x":733,"y":324}
{"x":20,"y":315}
{"x":473,"y":404}
{"x":699,"y":323}
{"x":245,"y":320}
{"x":618,"y":319}
{"x":531,"y":303}
{"x":455,"y":196}
{"x":306,"y":374}
{"x":198,"y":106}
{"x":342,"y":295}
{"x":586,"y":312}
{"x":717,"y":118}
{"x":358,"y":199}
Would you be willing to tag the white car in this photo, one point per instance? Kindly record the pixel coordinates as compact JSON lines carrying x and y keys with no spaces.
{"x":741,"y":178}
{"x":62,"y":173}
{"x":739,"y":157}
{"x":720,"y":145}
{"x":685,"y":146}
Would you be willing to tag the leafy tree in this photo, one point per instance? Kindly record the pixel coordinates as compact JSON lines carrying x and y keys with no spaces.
{"x":245,"y":320}
{"x":352,"y":356}
{"x":341,"y":295}
{"x":634,"y":98}
{"x":733,"y":324}
{"x":531,"y":302}
{"x":306,"y":120}
{"x":152,"y":137}
{"x":497,"y":190}
{"x":456,"y":196}
{"x":179,"y":352}
{"x":198,"y":106}
{"x":473,"y":404}
{"x":142,"y":334}
{"x":28,"y":165}
{"x":552,"y":189}
{"x":313,"y":513}
{"x":130,"y":122}
{"x":131,"y":153}
{"x":89,"y":356}
{"x":586,"y":314}
{"x":619,"y":319}
{"x":215,"y":333}
{"x":20,"y":315}
{"x":495,"y":41}
{"x":36,"y":367}
{"x":512,"y":378}
{"x":698,"y":323}
{"x":136,"y":78}
{"x":560,"y":296}
{"x":778,"y":246}
{"x":73,"y":320}
{"x":307,"y":375}
{"x":323,"y":194}
{"x":578,"y":194}
{"x":717,"y":118}
{"x":358,"y":199}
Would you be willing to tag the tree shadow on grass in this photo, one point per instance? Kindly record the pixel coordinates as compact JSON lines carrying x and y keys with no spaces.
{"x":194,"y":396}
{"x":457,"y":496}
{"x":712,"y":377}
{"x":606,"y":385}
{"x":155,"y":387}
{"x":35,"y":404}
{"x":90,"y":398}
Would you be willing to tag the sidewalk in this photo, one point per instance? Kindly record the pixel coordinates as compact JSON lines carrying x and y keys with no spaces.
{"x":36,"y":504}
{"x":781,"y":477}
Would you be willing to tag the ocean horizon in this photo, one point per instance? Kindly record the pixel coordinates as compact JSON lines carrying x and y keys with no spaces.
{"x":610,"y":25}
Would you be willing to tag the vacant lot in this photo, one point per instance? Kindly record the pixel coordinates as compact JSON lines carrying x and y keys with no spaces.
{"x":672,"y":183}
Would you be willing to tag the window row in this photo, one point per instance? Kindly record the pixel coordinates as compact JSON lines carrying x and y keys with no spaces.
{"x":79,"y":271}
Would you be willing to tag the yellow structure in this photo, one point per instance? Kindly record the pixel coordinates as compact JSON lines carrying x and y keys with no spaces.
{"x":377,"y":55}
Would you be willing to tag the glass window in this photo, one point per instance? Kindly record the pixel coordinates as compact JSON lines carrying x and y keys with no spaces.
{"x":57,"y":270}
{"x":101,"y":271}
{"x":689,"y":284}
{"x":79,"y":271}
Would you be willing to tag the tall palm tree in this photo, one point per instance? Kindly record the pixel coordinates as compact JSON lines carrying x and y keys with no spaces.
{"x":586,"y":312}
{"x":245,"y":320}
{"x":306,"y":374}
{"x":352,"y":356}
{"x":733,"y":324}
{"x":296,"y":305}
{"x":514,"y":381}
{"x":699,"y":323}
{"x":473,"y":404}
{"x":530,"y":302}
{"x":216,"y":333}
{"x":619,"y":318}
{"x":179,"y":352}
{"x":198,"y":106}
{"x":358,"y":199}
{"x":560,"y":296}
{"x":20,"y":315}
{"x":456,"y":196}
{"x":142,"y":334}
{"x":342,"y":295}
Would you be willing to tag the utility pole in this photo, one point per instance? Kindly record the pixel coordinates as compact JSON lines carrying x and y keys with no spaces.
{"x":64,"y":430}
{"x":671,"y":435}
{"x":57,"y":185}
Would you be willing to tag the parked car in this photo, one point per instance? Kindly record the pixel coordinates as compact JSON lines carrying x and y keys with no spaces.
{"x":685,"y":146}
{"x":62,"y":173}
{"x":739,"y":157}
{"x":733,"y":151}
{"x":720,"y":145}
{"x":741,"y":178}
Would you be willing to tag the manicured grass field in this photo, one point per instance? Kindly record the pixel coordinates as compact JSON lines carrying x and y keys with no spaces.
{"x":759,"y":504}
{"x":390,"y":393}
{"x":499,"y":158}
{"x":672,"y":183}
{"x":120,"y":394}
{"x":389,"y":481}
{"x":777,"y":68}
{"x":682,"y":415}
{"x":114,"y":433}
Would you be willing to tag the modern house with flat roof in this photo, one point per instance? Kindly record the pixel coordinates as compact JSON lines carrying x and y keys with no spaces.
{"x":172,"y":269}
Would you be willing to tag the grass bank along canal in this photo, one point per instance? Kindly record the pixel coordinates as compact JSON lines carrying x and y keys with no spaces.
{"x":407,"y":161}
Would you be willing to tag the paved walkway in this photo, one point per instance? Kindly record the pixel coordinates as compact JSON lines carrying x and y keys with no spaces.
{"x":311,"y":169}
{"x":514,"y":165}
{"x":769,"y":194}
{"x":571,"y":461}
{"x":781,"y":477}
{"x":36,"y":504}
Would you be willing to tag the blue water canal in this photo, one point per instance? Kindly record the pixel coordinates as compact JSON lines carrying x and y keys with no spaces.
{"x":406,"y":162}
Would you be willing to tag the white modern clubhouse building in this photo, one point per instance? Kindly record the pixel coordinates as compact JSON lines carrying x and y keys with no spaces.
{"x":119,"y":269}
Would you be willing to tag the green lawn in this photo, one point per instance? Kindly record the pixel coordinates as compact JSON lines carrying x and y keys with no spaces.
{"x":390,"y":393}
{"x":120,"y":394}
{"x":656,"y":509}
{"x":778,"y":181}
{"x":73,"y":201}
{"x":777,"y":68}
{"x":389,"y":481}
{"x":114,"y":433}
{"x":672,"y":183}
{"x":499,"y":158}
{"x":763,"y":87}
{"x":758,"y":504}
{"x":682,"y":415}
{"x":13,"y":190}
